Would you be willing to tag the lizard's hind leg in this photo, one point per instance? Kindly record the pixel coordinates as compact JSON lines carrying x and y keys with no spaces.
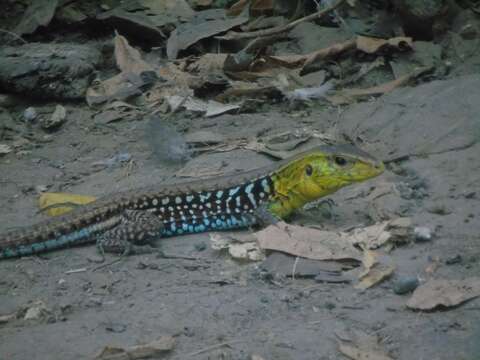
{"x":134,"y":233}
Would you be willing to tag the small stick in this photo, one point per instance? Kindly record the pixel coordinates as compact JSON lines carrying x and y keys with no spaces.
{"x":295,"y":267}
{"x":14,"y":35}
{"x":282,"y":28}
{"x":213,"y":347}
{"x":107,"y":264}
{"x":74,"y":271}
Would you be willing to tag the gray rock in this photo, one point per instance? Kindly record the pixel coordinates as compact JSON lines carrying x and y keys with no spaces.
{"x":405,"y":284}
{"x":422,"y":233}
{"x":48,"y":71}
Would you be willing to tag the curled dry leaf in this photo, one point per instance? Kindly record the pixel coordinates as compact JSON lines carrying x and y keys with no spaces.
{"x":37,"y":311}
{"x":239,"y":246}
{"x":376,"y":235}
{"x":360,"y":345}
{"x":156,"y":349}
{"x":128,"y":58}
{"x":377,"y":266}
{"x":356,"y":353}
{"x":446,"y":293}
{"x":189,"y":33}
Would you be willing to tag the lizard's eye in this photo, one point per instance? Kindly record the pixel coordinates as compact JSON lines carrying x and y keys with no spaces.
{"x":308,"y":170}
{"x":340,"y":161}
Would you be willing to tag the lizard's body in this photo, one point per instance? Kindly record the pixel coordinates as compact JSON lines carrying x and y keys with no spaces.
{"x":126,"y":220}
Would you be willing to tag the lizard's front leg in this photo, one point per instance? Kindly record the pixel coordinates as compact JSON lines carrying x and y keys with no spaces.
{"x":132,"y":235}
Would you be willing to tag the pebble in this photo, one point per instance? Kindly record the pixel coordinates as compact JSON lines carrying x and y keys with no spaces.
{"x":30,"y":114}
{"x":456,"y":259}
{"x":422,"y":233}
{"x":200,"y":247}
{"x":405,"y":284}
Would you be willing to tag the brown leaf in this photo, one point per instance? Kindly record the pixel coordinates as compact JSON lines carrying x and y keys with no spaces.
{"x":120,"y":87}
{"x":376,"y":235}
{"x":155,"y":349}
{"x":206,"y":64}
{"x":128,"y":58}
{"x":307,"y":242}
{"x":371,"y":45}
{"x":378,"y":267}
{"x":188,"y":34}
{"x":361,"y":345}
{"x":237,"y":8}
{"x":356,"y":353}
{"x":447,"y":293}
{"x":321,"y":54}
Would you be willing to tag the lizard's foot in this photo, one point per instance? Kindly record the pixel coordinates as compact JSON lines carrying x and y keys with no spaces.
{"x":132,"y":235}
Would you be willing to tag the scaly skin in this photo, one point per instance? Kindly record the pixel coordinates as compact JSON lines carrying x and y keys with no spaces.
{"x":125,"y":222}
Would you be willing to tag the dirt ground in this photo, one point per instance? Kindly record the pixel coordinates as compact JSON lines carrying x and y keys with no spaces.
{"x":217,"y":308}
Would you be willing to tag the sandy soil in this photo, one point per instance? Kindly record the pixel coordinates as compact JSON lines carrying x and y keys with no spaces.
{"x":433,"y":130}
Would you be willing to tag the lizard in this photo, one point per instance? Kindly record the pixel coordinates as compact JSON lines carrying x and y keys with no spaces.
{"x":128,"y":222}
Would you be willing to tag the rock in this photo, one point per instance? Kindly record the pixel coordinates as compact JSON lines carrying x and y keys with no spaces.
{"x":48,"y":71}
{"x":30,"y":114}
{"x":455,"y":259}
{"x":405,"y":284}
{"x":58,"y":118}
{"x":37,"y":311}
{"x":422,"y":233}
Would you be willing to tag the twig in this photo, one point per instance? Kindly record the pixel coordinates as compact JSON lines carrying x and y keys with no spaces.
{"x":75,"y":271}
{"x":14,"y":35}
{"x":282,"y":28}
{"x":107,"y":264}
{"x":213,"y":347}
{"x":176,"y":256}
{"x":294,"y":269}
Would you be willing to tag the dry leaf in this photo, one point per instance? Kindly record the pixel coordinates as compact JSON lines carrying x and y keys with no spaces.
{"x":154,"y":349}
{"x":37,"y":311}
{"x":206,"y":64}
{"x":446,"y":293}
{"x":55,"y":204}
{"x":189,"y":33}
{"x":210,"y":108}
{"x":364,"y":346}
{"x":371,"y":45}
{"x":377,"y":266}
{"x":239,"y":246}
{"x":348,"y":96}
{"x":376,"y":235}
{"x":237,"y":8}
{"x":356,"y":353}
{"x":307,"y":59}
{"x":39,"y":13}
{"x":129,"y":59}
{"x":215,"y":108}
{"x":307,"y":242}
{"x":121,"y":86}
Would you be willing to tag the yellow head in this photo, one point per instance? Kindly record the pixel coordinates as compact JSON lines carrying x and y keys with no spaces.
{"x":318,"y":172}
